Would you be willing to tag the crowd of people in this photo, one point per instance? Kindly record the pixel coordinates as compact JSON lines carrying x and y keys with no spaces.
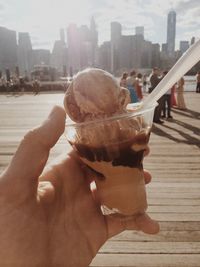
{"x":134,"y":83}
{"x":24,"y":84}
{"x":198,"y":82}
{"x":12,"y":84}
{"x":137,"y":84}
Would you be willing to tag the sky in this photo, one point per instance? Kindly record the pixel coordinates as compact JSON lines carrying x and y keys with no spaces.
{"x":44,"y":18}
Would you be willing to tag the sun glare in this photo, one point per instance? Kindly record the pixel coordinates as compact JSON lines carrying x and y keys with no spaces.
{"x":63,"y":12}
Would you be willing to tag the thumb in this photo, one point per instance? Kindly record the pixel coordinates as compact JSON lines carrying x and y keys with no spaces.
{"x":32,"y":153}
{"x":141,"y":222}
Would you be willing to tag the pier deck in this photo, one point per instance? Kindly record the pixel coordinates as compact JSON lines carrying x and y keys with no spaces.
{"x":173,"y":195}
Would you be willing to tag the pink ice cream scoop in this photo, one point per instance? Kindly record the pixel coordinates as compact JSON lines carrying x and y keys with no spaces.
{"x":93,"y":94}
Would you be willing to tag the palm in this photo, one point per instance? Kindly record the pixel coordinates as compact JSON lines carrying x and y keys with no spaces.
{"x":22,"y":231}
{"x":75,"y":221}
{"x":66,"y":225}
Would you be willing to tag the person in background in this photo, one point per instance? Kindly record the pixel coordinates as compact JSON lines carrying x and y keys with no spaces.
{"x":123,"y":82}
{"x":36,"y":86}
{"x":154,"y":81}
{"x":2,"y":84}
{"x":167,"y":105}
{"x":166,"y":98}
{"x":173,"y":96}
{"x":145,"y":82}
{"x":131,"y":86}
{"x":180,"y":94}
{"x":138,"y":86}
{"x":198,"y":82}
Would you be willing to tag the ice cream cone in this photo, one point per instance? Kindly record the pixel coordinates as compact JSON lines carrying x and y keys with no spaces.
{"x":121,"y":189}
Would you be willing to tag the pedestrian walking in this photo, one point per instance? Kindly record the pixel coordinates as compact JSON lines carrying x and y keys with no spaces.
{"x":180,"y":94}
{"x":198,"y":82}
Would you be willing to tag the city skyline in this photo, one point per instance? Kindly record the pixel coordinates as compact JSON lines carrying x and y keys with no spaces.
{"x":43,"y":19}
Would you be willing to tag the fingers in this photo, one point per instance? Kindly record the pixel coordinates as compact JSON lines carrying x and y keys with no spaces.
{"x":32,"y":153}
{"x":46,"y":192}
{"x":147,"y":151}
{"x":147,"y":177}
{"x":146,"y":224}
{"x":119,"y":223}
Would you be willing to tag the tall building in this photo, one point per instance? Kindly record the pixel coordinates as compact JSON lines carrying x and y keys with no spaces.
{"x":40,"y":57}
{"x":146,"y":55}
{"x":116,"y":33}
{"x":8,"y":49}
{"x":184,"y":45}
{"x":104,"y":56}
{"x":164,"y":48}
{"x":62,"y":35}
{"x":155,"y":55}
{"x":171,"y":32}
{"x":192,"y":40}
{"x":86,"y":49}
{"x":59,"y":55}
{"x":73,"y":41}
{"x":24,"y":52}
{"x":133,"y":53}
{"x":126,"y":52}
{"x":139,"y":30}
{"x":82,"y":46}
{"x":94,"y":41}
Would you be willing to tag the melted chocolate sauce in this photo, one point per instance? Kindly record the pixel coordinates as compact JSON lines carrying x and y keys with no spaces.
{"x":121,"y":154}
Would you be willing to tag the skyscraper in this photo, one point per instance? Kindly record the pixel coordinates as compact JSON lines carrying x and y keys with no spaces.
{"x":86,"y":49}
{"x":184,"y":45}
{"x":59,"y":54}
{"x":171,"y":32}
{"x":62,"y":35}
{"x":192,"y":40}
{"x":24,"y":52}
{"x":94,"y":40}
{"x":139,"y":30}
{"x":8,"y":49}
{"x":73,"y":41}
{"x":116,"y":33}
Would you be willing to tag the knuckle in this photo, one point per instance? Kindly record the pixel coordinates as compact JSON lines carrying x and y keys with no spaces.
{"x":33,"y":137}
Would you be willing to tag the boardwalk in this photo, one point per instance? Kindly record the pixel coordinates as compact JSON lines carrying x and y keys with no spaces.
{"x":173,"y":195}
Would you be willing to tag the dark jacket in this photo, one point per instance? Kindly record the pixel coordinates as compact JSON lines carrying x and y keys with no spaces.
{"x":154,"y":81}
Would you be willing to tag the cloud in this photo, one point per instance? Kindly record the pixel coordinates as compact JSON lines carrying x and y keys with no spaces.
{"x":44,"y":22}
{"x":129,"y":13}
{"x":184,"y":6}
{"x":188,"y":24}
{"x":188,"y":13}
{"x":96,"y":4}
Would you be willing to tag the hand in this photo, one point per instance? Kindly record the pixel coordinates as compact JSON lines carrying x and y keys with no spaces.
{"x":53,"y":219}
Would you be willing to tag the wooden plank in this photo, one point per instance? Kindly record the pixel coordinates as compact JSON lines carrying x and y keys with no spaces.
{"x":173,"y":195}
{"x":170,"y":202}
{"x":171,"y":247}
{"x":179,"y":177}
{"x":179,"y":186}
{"x":174,"y":209}
{"x":180,"y":226}
{"x":146,"y":260}
{"x":170,"y":235}
{"x":184,"y":217}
